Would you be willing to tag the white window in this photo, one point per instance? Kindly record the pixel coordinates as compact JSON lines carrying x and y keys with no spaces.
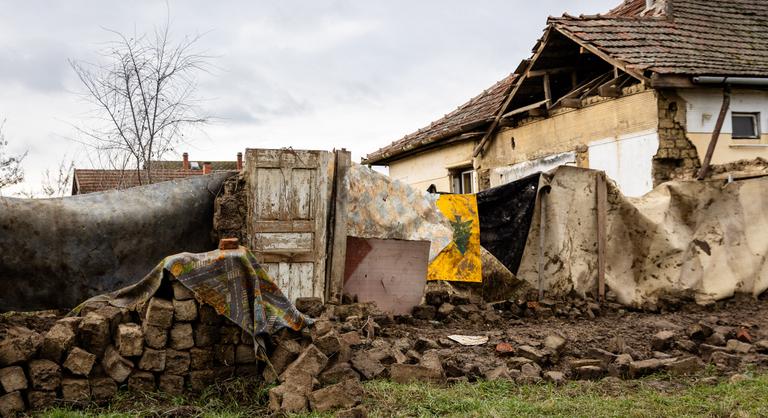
{"x":463,"y":181}
{"x":745,"y":125}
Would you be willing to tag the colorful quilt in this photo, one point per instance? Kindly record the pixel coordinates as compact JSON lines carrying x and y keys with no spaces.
{"x":229,"y":280}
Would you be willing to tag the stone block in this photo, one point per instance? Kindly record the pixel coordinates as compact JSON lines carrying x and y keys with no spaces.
{"x":312,"y":361}
{"x":646,"y":367}
{"x":181,"y":337}
{"x":311,"y":306}
{"x":11,"y":404}
{"x":244,"y":354}
{"x":200,"y":379}
{"x":152,"y":360}
{"x":686,"y":366}
{"x":141,"y":381}
{"x":224,"y":372}
{"x":115,"y":365}
{"x":224,"y":354}
{"x":80,"y":362}
{"x":425,"y":312}
{"x":171,"y":383}
{"x":247,"y":370}
{"x":44,"y":375}
{"x":40,"y":399}
{"x":18,"y":344}
{"x":94,"y":333}
{"x":130,"y":340}
{"x":229,"y":335}
{"x":209,"y":316}
{"x":155,"y":337}
{"x":341,"y":395}
{"x":185,"y":310}
{"x":662,"y":340}
{"x":12,"y":379}
{"x":329,"y":344}
{"x":75,"y":390}
{"x":200,"y":358}
{"x":284,"y":354}
{"x":159,"y":313}
{"x":177,"y":362}
{"x":206,"y":335}
{"x":181,"y":292}
{"x":57,"y":341}
{"x":359,"y":411}
{"x":367,"y":365}
{"x":337,"y":373}
{"x":114,"y":316}
{"x":103,"y":388}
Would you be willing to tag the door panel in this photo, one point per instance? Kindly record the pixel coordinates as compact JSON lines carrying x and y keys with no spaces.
{"x":288,"y":218}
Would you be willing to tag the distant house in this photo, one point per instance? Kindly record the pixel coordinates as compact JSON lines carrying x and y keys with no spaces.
{"x":94,"y":180}
{"x":636,"y":92}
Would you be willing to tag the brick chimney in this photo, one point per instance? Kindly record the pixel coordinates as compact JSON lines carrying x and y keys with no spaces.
{"x":239,"y":161}
{"x":207,"y":167}
{"x":185,"y":162}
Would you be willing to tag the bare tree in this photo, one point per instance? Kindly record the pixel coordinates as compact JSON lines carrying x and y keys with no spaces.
{"x":144,"y":94}
{"x":58,"y":183}
{"x":11,"y":171}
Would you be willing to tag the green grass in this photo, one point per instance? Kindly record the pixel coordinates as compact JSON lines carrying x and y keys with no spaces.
{"x":657,"y":396}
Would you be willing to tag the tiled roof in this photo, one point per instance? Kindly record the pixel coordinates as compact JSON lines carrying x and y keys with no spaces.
{"x":89,"y":181}
{"x":178,"y":165}
{"x":473,"y":115}
{"x":689,"y":37}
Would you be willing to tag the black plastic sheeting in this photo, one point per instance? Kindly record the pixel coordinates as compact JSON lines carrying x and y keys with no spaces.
{"x":55,"y":253}
{"x":505,"y":218}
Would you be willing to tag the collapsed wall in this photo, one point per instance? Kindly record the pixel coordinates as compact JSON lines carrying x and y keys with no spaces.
{"x":54,"y":253}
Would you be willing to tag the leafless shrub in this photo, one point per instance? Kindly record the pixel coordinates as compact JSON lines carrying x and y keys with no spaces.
{"x":11,"y":171}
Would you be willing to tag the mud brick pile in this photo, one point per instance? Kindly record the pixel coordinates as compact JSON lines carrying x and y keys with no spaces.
{"x":173,"y":344}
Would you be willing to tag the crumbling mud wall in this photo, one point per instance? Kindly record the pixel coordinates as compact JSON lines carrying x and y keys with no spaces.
{"x":230,"y":215}
{"x":55,"y":253}
{"x":677,"y":157}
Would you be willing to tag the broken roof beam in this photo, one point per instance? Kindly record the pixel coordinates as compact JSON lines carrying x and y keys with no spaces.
{"x":550,"y":71}
{"x":573,"y":99}
{"x":524,"y":109}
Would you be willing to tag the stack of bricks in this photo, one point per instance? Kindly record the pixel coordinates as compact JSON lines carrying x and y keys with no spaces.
{"x":173,"y":345}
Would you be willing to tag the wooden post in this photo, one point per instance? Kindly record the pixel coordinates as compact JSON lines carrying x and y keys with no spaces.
{"x":542,"y":230}
{"x":602,"y":202}
{"x":337,"y":241}
{"x":547,"y":90}
{"x":716,"y":133}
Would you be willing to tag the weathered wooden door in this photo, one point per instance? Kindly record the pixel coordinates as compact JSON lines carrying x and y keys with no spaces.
{"x":289,"y":195}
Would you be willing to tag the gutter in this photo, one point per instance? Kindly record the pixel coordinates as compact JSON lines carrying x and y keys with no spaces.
{"x":731,"y":81}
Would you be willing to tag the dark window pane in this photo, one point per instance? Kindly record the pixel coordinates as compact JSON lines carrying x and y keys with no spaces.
{"x":744,"y":126}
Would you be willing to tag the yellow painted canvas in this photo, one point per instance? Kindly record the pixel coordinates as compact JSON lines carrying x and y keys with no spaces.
{"x":460,"y":259}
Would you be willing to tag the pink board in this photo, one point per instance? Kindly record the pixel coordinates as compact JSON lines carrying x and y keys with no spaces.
{"x":390,"y":272}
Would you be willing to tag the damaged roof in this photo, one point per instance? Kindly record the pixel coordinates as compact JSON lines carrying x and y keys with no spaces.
{"x":473,"y":115}
{"x":672,"y":37}
{"x":690,"y":37}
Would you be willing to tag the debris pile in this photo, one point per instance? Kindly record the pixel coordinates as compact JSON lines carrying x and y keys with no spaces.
{"x":172,"y":344}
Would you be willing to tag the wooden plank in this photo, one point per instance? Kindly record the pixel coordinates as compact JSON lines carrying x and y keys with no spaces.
{"x":302,"y":225}
{"x":549,"y":71}
{"x":269,"y":193}
{"x":524,"y":109}
{"x":321,"y":202}
{"x":337,"y":240}
{"x":602,"y":203}
{"x":302,"y":184}
{"x":285,"y":257}
{"x":281,"y":242}
{"x":610,"y":88}
{"x":547,"y":90}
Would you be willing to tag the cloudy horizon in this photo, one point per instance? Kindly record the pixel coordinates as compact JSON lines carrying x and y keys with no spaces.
{"x":314,"y":75}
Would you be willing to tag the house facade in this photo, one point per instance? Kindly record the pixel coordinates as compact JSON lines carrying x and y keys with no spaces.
{"x":637,"y":92}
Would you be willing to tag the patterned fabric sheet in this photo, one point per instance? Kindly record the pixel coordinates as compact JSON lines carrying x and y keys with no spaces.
{"x":229,"y":280}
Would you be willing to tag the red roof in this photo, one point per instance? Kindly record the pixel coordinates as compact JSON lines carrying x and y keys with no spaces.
{"x":687,"y":37}
{"x":474,"y":115}
{"x":90,"y":181}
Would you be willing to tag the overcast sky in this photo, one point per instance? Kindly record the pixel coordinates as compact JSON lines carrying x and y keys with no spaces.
{"x":308,"y":74}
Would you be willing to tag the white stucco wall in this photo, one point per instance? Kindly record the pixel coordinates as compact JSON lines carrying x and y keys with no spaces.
{"x":702,"y":109}
{"x":627,"y":160}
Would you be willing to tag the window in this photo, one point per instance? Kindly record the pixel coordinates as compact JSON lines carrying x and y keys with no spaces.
{"x":463,"y":181}
{"x":745,"y":125}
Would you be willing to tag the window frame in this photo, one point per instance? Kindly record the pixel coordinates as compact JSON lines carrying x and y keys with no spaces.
{"x":755,"y":116}
{"x":457,"y":177}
